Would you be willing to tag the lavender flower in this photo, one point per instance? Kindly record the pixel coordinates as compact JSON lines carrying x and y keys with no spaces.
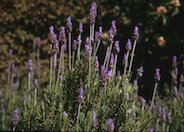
{"x":37,"y":42}
{"x":110,"y":125}
{"x":150,"y":129}
{"x":80,"y":27}
{"x":62,"y":35}
{"x":74,"y":46}
{"x":103,"y":75}
{"x":142,"y":101}
{"x":93,"y":13}
{"x":87,"y":50}
{"x":35,"y":70}
{"x":181,"y":78}
{"x":136,"y":33}
{"x":117,"y":48}
{"x":140,"y":71}
{"x":157,"y":74}
{"x":15,"y":117}
{"x":125,"y":59}
{"x":169,"y":121}
{"x":113,"y":27}
{"x":29,"y":65}
{"x":135,"y":85}
{"x":55,"y":49}
{"x":36,"y":83}
{"x":164,"y":115}
{"x":94,"y":120}
{"x":111,"y":36}
{"x":174,"y":62}
{"x":159,"y":111}
{"x":52,"y":35}
{"x":128,"y":45}
{"x":10,"y":53}
{"x":81,"y":96}
{"x":69,"y":24}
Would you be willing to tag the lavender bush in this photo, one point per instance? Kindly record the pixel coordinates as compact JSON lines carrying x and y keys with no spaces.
{"x":87,"y":95}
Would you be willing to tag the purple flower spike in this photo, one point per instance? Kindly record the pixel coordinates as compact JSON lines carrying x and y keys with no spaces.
{"x":94,"y":120}
{"x":62,"y":35}
{"x":164,"y":115}
{"x":150,"y":129}
{"x":136,"y":33}
{"x":29,"y":65}
{"x":74,"y":45}
{"x":52,"y":35}
{"x":181,"y":78}
{"x":93,"y":13}
{"x":110,"y":125}
{"x":36,"y":83}
{"x":169,"y":121}
{"x":15,"y":117}
{"x":135,"y":85}
{"x":87,"y":50}
{"x":125,"y":59}
{"x":113,"y":27}
{"x":174,"y":62}
{"x":111,"y":35}
{"x":103,"y":75}
{"x":117,"y":48}
{"x":128,"y":45}
{"x":142,"y":101}
{"x":140,"y":71}
{"x":69,"y":24}
{"x":37,"y":42}
{"x":80,"y":27}
{"x":157,"y":74}
{"x":159,"y":111}
{"x":81,"y":96}
{"x":10,"y":53}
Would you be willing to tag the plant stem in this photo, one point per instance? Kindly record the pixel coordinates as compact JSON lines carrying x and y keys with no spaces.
{"x":78,"y":49}
{"x":114,"y":67}
{"x":153,"y":97}
{"x":157,"y":124}
{"x":132,"y":57}
{"x":38,"y":62}
{"x":73,"y":59}
{"x":69,"y":37}
{"x":13,"y":129}
{"x":78,"y":113}
{"x":59,"y":68}
{"x":35,"y":94}
{"x":55,"y":66}
{"x":126,"y":63}
{"x":96,"y":50}
{"x":109,"y":53}
{"x":106,"y":56}
{"x":50,"y":80}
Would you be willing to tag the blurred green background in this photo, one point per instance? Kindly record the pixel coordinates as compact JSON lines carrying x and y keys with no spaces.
{"x":160,"y":23}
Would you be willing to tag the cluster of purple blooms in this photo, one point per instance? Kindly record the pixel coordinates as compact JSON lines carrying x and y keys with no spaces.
{"x":163,"y":115}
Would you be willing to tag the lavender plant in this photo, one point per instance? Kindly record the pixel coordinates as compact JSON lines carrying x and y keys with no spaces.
{"x":89,"y":95}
